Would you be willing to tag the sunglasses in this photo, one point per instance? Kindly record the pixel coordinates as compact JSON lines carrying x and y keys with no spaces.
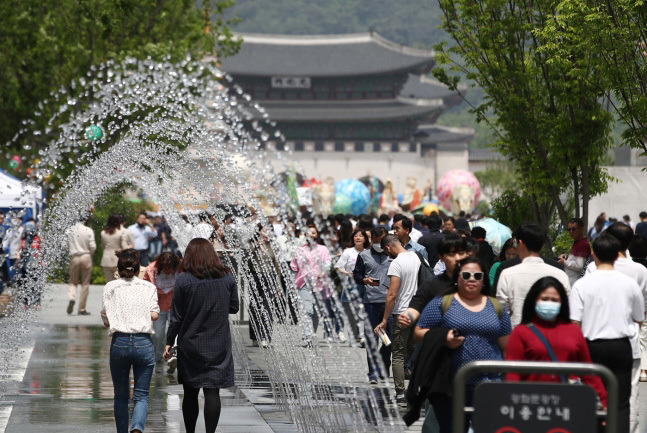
{"x":478,"y":276}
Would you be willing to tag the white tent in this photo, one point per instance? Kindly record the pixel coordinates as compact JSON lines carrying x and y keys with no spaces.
{"x":16,"y":195}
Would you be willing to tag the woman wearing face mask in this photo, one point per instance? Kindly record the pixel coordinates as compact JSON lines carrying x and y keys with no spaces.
{"x":478,"y":328}
{"x":546,"y":311}
{"x":311,"y":263}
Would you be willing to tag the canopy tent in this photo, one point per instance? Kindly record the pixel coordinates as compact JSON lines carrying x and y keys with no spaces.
{"x":16,"y":195}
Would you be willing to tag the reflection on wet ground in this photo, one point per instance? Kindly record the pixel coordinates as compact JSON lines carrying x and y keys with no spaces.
{"x":67,"y":388}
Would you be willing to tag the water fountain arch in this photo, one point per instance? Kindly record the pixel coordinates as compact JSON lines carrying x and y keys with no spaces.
{"x":194,"y":141}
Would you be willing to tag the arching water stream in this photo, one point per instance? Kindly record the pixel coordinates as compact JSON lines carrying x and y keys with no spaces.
{"x":186,"y":136}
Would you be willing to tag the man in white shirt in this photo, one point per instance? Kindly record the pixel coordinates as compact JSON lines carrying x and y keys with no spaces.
{"x":638,"y":273}
{"x":515,"y":282}
{"x":607,"y":304}
{"x":82,"y":245}
{"x":142,"y":231}
{"x":403,"y":273}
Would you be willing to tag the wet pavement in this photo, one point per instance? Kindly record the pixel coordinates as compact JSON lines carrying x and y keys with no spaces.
{"x":59,"y":381}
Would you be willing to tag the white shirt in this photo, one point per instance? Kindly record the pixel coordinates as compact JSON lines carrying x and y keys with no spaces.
{"x":348,"y":259}
{"x":80,"y":240}
{"x":515,"y":283}
{"x":415,"y":234}
{"x":607,"y":303}
{"x":405,"y":266}
{"x":142,"y":235}
{"x":638,"y":273}
{"x":127,"y":306}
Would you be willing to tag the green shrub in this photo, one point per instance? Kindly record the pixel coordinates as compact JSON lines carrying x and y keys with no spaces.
{"x":98,"y":277}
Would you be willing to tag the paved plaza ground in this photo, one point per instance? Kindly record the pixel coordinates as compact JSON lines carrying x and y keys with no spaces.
{"x":60,"y":382}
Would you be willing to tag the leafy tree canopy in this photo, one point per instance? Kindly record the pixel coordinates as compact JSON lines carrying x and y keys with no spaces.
{"x":47,"y":43}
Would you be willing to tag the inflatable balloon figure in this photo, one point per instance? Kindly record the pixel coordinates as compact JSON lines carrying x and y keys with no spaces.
{"x":351,"y":196}
{"x":375,"y":188}
{"x":15,"y":162}
{"x":389,"y":200}
{"x":458,"y":190}
{"x":324,"y":197}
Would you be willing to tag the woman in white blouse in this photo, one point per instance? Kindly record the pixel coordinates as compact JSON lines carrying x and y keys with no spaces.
{"x":129,"y":309}
{"x":351,"y":298}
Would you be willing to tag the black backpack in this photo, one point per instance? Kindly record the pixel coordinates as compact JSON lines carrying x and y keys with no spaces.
{"x":426,"y":272}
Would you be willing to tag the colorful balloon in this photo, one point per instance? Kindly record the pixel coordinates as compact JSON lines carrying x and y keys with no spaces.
{"x":428,"y":209}
{"x":351,"y":196}
{"x":15,"y":162}
{"x":93,"y":133}
{"x":451,"y":181}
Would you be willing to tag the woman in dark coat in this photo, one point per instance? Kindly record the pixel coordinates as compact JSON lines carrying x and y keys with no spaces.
{"x":205,"y":294}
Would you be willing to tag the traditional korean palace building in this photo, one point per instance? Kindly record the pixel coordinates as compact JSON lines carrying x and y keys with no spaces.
{"x":353,"y":105}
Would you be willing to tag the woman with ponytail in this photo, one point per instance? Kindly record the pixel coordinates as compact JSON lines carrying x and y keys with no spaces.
{"x":129,"y":309}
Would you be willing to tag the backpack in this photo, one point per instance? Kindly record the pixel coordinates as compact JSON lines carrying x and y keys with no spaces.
{"x":425,"y":273}
{"x":447,"y":301}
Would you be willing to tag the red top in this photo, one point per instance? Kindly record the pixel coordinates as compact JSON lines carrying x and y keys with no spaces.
{"x":567,"y":342}
{"x":581,"y":248}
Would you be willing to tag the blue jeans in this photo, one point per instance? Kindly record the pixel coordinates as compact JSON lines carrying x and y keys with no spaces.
{"x":136,"y":351}
{"x":154,"y":249}
{"x":159,"y":338}
{"x":375,"y":313}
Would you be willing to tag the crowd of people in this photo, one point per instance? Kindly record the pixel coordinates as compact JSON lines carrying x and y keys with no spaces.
{"x":433,"y":288}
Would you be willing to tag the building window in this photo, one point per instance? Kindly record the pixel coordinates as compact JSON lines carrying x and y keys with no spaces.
{"x":395,"y":147}
{"x":413,"y":147}
{"x":377,"y":147}
{"x":359,"y":147}
{"x":339,"y":146}
{"x":319,"y":146}
{"x":298,"y":146}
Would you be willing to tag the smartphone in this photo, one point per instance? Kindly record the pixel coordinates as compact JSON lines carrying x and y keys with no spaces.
{"x":457,"y":333}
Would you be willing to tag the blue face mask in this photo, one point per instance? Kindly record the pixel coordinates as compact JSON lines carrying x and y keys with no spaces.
{"x":547,"y":310}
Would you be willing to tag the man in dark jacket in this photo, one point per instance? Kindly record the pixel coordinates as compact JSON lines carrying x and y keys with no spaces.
{"x":370,"y":272}
{"x":430,"y":241}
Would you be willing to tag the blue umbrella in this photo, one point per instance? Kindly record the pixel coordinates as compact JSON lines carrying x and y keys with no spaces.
{"x":497,"y":233}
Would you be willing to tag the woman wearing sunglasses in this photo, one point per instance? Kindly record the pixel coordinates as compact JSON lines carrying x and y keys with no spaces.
{"x":546,"y":311}
{"x":478,"y":325}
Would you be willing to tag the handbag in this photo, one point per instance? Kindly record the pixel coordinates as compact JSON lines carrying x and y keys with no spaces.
{"x":553,"y":358}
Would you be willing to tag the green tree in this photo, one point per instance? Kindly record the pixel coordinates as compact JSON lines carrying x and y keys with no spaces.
{"x":547,"y":115}
{"x":48,"y":43}
{"x":615,"y":30}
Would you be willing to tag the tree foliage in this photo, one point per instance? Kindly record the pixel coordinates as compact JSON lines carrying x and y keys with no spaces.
{"x":47,"y":43}
{"x":617,"y":31}
{"x":511,"y":208}
{"x":547,"y":114}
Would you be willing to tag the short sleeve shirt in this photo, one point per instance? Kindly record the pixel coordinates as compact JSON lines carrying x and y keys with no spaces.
{"x":607,"y":302}
{"x":481,"y":330}
{"x":405,"y":266}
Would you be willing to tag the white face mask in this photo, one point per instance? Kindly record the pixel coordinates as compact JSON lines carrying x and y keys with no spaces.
{"x":378,"y":249}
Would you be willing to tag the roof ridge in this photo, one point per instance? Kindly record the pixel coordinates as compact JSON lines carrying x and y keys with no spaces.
{"x":333,"y":39}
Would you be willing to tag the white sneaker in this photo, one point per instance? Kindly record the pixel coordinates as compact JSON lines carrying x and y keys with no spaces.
{"x":342,"y":337}
{"x":171,"y":365}
{"x":264,"y":344}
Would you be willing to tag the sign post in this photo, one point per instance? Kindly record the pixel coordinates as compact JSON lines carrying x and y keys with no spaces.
{"x":533,"y":407}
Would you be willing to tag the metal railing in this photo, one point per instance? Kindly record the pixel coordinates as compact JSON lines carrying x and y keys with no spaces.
{"x":567,"y":368}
